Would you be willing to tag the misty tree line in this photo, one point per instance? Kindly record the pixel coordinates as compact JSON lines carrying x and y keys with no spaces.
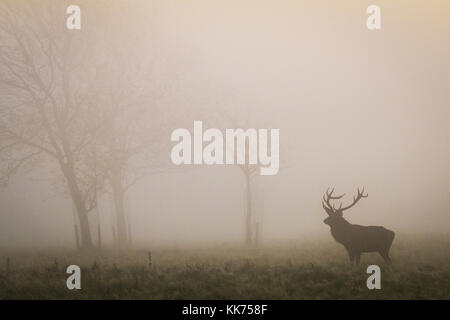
{"x":77,"y":106}
{"x":71,"y":99}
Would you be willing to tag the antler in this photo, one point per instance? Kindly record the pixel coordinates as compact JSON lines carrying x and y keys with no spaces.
{"x":326,"y":201}
{"x":355,"y":199}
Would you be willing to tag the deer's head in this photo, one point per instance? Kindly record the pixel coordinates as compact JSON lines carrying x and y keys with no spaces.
{"x":335,"y":215}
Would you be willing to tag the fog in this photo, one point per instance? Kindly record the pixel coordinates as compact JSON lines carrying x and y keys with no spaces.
{"x":355,"y":108}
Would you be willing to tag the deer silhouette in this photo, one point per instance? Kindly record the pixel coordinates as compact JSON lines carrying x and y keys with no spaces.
{"x":355,"y":238}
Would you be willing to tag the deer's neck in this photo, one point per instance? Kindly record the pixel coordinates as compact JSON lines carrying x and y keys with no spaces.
{"x":340,"y":231}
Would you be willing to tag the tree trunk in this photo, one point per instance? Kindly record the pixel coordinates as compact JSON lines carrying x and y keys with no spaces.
{"x":257,"y":234}
{"x":114,"y":236}
{"x":248,"y":217}
{"x":99,"y":235}
{"x":119,"y":196}
{"x":86,"y":240}
{"x":77,"y":237}
{"x":82,"y":212}
{"x":129,"y":234}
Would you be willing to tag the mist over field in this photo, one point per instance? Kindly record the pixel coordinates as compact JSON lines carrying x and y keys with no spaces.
{"x":355,"y":108}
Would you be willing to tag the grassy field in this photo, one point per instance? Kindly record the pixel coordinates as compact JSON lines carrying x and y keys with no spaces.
{"x":315,"y":270}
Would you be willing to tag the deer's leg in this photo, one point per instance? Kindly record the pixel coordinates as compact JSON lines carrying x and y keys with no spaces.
{"x":385,"y":255}
{"x":351,"y":256}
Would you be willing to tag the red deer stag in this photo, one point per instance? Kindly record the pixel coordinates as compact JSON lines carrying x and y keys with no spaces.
{"x":355,"y":238}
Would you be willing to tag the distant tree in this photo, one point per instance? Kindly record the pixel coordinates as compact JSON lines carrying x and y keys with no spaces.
{"x":244,"y":120}
{"x":130,"y":144}
{"x":249,"y":171}
{"x":229,"y":119}
{"x":134,"y":124}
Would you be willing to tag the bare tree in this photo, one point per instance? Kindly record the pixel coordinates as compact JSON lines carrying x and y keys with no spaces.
{"x":245,"y":119}
{"x":134,"y":125}
{"x":47,"y":111}
{"x":130,"y":150}
{"x":249,"y":172}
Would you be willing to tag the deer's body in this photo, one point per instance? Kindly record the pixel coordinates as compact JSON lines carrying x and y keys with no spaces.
{"x":355,"y":238}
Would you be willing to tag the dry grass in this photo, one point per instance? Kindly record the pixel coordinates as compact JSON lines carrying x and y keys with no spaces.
{"x":421,"y":270}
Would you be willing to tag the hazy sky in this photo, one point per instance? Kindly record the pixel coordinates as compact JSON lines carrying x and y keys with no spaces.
{"x":354,"y":108}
